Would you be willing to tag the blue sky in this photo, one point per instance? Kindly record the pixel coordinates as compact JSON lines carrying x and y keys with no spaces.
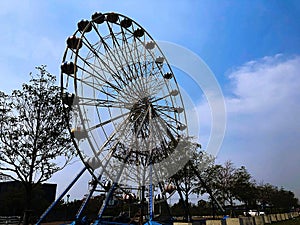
{"x":252,"y":47}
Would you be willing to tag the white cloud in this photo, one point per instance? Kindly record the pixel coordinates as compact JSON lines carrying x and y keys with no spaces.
{"x":264,"y":85}
{"x":263,"y":129}
{"x":266,"y":93}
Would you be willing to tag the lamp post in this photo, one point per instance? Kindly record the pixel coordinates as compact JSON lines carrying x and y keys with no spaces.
{"x":67,"y":206}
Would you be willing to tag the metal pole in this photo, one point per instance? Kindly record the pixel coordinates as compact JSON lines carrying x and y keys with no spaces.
{"x":60,"y":197}
{"x":207,"y":188}
{"x":150,"y":194}
{"x":141,"y":219}
{"x":84,"y":204}
{"x":110,"y":193}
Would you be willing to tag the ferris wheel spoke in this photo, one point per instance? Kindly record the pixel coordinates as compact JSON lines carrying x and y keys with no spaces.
{"x":93,"y":68}
{"x":161,"y":138}
{"x":100,"y":102}
{"x":174,"y":119}
{"x":167,"y":108}
{"x":125,"y":42}
{"x":112,"y":56}
{"x":131,"y":175}
{"x":159,"y":130}
{"x":130,"y":66}
{"x":135,"y":58}
{"x":166,"y":127}
{"x":173,"y":124}
{"x":132,"y":75}
{"x":136,"y":51}
{"x":141,"y":115}
{"x":108,"y":69}
{"x":117,"y":46}
{"x":95,"y":82}
{"x":161,"y":98}
{"x":116,"y":61}
{"x":149,"y":68}
{"x":97,"y":56}
{"x":128,"y":139}
{"x":112,"y":136}
{"x":92,"y":85}
{"x":99,"y":89}
{"x":163,"y":111}
{"x":132,"y":58}
{"x":111,"y":143}
{"x":144,"y":83}
{"x":106,"y":159}
{"x":107,"y":121}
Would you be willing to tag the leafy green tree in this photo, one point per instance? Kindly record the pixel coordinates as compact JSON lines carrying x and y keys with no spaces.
{"x":230,"y":184}
{"x":224,"y":183}
{"x":286,"y":200}
{"x":270,"y":196}
{"x":210,"y":185}
{"x":244,"y":187}
{"x":186,"y":179}
{"x":34,"y":140}
{"x":264,"y":194}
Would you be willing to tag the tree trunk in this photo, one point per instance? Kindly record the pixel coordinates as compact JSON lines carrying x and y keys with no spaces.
{"x":213,"y":209}
{"x":187,"y":206}
{"x":142,"y":210}
{"x":27,"y":209}
{"x":233,"y":214}
{"x":181,"y":197}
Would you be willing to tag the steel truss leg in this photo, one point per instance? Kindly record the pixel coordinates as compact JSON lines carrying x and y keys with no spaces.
{"x":206,"y":187}
{"x":60,"y":197}
{"x":84,"y":204}
{"x":86,"y":201}
{"x":150,"y":194}
{"x":109,"y":195}
{"x":162,"y":191}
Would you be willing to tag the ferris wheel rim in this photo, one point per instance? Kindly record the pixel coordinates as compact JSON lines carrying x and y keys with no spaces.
{"x":75,"y":72}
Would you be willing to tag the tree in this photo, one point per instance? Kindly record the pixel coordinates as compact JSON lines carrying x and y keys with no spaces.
{"x":186,"y":179}
{"x":231,"y":184}
{"x":210,"y":185}
{"x":270,"y":196}
{"x":286,"y":200}
{"x":224,"y":183}
{"x":265,"y":193}
{"x":34,"y":140}
{"x":244,"y":188}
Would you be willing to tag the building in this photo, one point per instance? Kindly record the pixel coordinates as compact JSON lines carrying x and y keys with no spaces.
{"x":12,"y":197}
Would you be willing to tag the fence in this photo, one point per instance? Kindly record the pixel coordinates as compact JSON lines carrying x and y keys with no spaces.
{"x":10,"y":220}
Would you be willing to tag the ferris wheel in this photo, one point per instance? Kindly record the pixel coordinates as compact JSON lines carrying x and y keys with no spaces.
{"x":128,"y":122}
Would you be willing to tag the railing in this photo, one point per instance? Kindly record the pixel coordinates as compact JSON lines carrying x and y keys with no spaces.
{"x":11,"y":220}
